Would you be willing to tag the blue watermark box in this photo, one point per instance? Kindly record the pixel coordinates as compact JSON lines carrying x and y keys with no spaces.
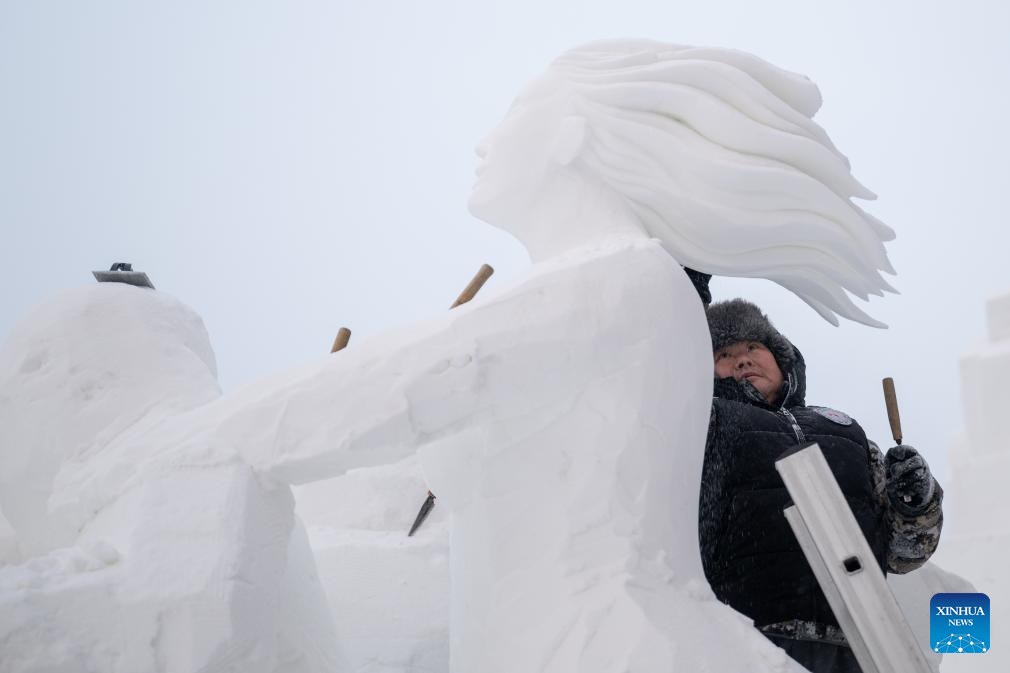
{"x":959,"y":623}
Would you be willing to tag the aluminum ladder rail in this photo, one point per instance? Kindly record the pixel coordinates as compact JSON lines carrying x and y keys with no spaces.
{"x":845,"y":567}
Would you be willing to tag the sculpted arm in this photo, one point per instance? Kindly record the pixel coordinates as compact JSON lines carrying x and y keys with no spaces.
{"x":361,"y":407}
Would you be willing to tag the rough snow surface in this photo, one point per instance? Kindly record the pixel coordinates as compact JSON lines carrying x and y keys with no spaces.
{"x":180,"y":564}
{"x":561,"y":453}
{"x":77,"y":372}
{"x":573,"y":509}
{"x":389,"y":593}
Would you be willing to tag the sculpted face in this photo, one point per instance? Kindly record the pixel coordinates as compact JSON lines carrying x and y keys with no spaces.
{"x":753,"y":361}
{"x":519,"y":159}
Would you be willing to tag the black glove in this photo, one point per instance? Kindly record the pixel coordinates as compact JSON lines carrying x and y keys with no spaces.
{"x":700,"y":281}
{"x":909,"y":481}
{"x":737,"y":391}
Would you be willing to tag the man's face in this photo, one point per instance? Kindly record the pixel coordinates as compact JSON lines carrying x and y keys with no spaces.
{"x":753,"y":361}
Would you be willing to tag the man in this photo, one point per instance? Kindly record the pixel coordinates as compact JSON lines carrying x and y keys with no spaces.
{"x":749,"y":553}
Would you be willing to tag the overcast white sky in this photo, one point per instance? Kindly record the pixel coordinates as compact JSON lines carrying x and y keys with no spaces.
{"x":286,"y":168}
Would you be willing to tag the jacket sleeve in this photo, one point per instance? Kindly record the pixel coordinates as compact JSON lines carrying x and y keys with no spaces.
{"x":913,"y":538}
{"x":713,"y":503}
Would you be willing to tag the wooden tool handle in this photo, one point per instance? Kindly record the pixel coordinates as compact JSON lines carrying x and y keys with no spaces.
{"x":891,"y":400}
{"x":466,"y":295}
{"x":343,"y":336}
{"x":470,"y":290}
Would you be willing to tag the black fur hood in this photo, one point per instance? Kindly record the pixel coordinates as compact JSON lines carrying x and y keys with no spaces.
{"x":739,"y":320}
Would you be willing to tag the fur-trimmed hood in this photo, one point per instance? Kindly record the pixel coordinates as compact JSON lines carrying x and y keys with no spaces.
{"x":739,"y":320}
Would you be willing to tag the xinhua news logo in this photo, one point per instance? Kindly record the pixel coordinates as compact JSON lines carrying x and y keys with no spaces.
{"x":959,"y":623}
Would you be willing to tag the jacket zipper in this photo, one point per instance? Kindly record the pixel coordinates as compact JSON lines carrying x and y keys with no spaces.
{"x":800,"y":438}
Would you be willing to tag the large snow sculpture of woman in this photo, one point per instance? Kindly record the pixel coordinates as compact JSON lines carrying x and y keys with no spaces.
{"x":563,"y":420}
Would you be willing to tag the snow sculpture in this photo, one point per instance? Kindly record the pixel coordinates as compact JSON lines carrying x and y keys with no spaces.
{"x":712,"y":151}
{"x":101,"y":359}
{"x":388,"y":593}
{"x":561,"y":421}
{"x":182,"y":565}
{"x":977,"y":538}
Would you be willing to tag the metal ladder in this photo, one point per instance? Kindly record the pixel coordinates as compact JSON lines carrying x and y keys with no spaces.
{"x":845,"y":567}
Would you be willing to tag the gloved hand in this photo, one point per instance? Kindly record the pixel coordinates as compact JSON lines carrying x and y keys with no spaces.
{"x":909,"y":481}
{"x":700,"y":281}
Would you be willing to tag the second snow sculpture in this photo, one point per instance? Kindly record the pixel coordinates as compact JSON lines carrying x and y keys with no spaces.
{"x":563,"y":421}
{"x":135,"y":550}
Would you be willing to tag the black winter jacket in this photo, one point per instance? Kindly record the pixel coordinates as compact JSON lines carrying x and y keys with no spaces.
{"x":749,"y":552}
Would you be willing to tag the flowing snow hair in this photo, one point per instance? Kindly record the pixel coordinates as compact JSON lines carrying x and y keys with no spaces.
{"x":716,"y":152}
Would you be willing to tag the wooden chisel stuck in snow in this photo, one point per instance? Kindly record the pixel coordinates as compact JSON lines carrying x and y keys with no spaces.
{"x":466,"y":295}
